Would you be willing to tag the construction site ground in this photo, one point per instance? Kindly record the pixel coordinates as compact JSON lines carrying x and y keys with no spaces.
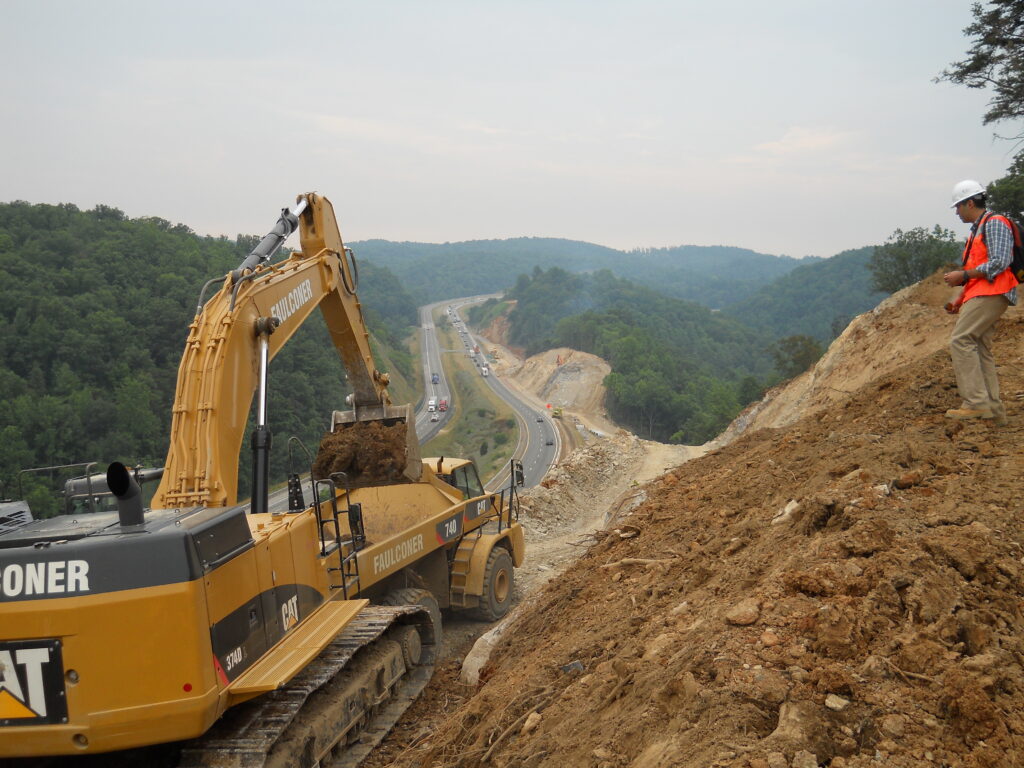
{"x":835,"y":582}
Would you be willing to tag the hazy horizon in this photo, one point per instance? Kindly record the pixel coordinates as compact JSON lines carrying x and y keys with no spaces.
{"x":793,"y":128}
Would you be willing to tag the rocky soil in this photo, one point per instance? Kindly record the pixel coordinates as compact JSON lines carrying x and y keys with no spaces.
{"x":843,"y":588}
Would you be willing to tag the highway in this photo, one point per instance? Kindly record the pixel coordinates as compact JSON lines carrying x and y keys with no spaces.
{"x":429,"y":424}
{"x":539,"y":440}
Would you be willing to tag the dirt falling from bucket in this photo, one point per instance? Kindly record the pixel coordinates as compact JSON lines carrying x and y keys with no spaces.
{"x":368,"y":452}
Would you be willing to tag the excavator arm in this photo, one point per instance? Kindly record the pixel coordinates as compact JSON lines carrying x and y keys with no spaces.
{"x":232,"y":338}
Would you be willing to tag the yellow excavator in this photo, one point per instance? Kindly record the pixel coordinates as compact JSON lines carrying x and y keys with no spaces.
{"x":208,"y":633}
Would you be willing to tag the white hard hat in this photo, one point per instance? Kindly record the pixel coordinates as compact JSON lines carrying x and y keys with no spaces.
{"x":966,"y":189}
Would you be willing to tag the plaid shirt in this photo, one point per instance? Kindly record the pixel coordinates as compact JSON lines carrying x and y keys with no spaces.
{"x":999,"y":239}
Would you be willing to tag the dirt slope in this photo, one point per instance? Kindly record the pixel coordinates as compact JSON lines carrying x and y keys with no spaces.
{"x":844,"y":589}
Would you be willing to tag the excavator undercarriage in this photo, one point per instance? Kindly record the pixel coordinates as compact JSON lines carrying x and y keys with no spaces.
{"x":339,"y":707}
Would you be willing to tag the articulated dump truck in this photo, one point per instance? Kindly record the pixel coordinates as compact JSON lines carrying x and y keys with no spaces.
{"x":204,"y":632}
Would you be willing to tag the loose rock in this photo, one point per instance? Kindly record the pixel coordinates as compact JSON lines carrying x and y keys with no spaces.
{"x":745,"y":612}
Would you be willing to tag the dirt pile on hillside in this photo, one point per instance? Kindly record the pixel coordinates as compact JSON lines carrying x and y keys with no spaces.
{"x":586,"y":490}
{"x":843,"y":591}
{"x":571,"y":490}
{"x":563,"y":377}
{"x":497,"y":331}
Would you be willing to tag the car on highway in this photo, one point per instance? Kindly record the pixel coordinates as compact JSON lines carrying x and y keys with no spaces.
{"x":540,"y":419}
{"x":549,"y":441}
{"x":435,"y":416}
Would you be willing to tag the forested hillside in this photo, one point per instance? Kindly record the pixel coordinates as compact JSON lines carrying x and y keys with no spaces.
{"x":96,"y":309}
{"x":680,"y":372}
{"x":816,"y":299}
{"x":715,"y":276}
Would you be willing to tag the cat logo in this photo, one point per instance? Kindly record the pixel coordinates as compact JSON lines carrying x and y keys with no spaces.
{"x":290,"y":613}
{"x":31,"y":683}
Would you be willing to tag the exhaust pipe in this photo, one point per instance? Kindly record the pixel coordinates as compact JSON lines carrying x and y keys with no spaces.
{"x":128,"y":494}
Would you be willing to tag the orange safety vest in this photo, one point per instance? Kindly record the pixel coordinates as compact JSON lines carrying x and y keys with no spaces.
{"x":976,"y":254}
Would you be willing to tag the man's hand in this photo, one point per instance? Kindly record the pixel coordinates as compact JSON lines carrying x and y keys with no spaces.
{"x":956,"y":277}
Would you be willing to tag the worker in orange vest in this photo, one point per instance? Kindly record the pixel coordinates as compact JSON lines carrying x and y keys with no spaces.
{"x":989,"y":287}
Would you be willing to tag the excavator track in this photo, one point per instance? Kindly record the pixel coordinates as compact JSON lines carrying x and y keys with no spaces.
{"x":336,"y":710}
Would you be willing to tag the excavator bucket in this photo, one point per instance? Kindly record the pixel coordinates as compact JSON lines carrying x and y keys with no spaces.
{"x":371,"y":446}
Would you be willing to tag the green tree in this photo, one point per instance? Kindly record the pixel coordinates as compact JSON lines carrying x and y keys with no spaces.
{"x":750,"y":389}
{"x":995,"y":59}
{"x":1006,"y":195}
{"x":795,"y":354}
{"x":910,"y":256}
{"x":809,"y":298}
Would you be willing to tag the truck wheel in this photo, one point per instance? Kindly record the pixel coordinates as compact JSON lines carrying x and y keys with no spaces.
{"x":423,"y":598}
{"x":498,"y":583}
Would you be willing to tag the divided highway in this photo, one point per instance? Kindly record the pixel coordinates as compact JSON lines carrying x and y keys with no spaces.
{"x":539,"y":440}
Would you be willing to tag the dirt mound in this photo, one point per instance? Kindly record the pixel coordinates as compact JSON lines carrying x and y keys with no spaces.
{"x":844,"y":590}
{"x":566,"y":378}
{"x":368,"y":452}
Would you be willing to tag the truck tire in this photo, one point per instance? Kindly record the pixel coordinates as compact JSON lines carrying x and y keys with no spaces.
{"x":423,"y":598}
{"x":498,"y":582}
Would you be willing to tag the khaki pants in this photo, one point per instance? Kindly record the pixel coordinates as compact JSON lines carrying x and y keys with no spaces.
{"x":970,"y":347}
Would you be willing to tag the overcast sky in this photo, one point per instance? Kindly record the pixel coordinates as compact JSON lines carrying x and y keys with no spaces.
{"x":791,"y":127}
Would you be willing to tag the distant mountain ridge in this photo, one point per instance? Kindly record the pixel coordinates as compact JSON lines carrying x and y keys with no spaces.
{"x":715,"y":276}
{"x":782,"y":295}
{"x":818,"y":299}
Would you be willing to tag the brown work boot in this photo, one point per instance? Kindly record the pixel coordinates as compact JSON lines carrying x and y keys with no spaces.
{"x":968,"y":413}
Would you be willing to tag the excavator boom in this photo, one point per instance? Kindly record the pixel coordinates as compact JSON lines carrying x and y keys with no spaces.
{"x":241,"y":328}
